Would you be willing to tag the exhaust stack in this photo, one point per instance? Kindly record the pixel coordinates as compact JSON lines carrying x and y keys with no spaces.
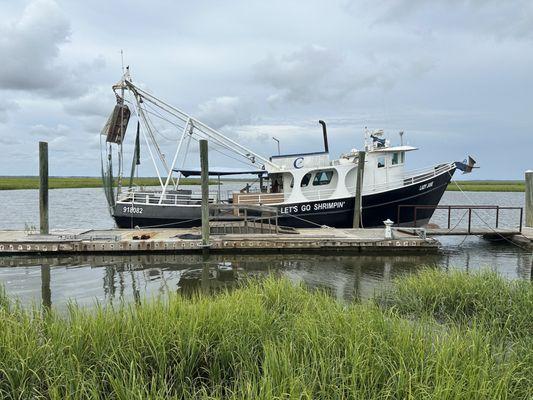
{"x":325,"y":133}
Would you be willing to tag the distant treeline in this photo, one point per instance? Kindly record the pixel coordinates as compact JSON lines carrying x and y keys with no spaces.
{"x":32,"y":182}
{"x":488,"y":186}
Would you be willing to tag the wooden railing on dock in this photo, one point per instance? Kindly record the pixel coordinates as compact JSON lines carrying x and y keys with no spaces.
{"x":245,"y":218}
{"x":469,"y":209}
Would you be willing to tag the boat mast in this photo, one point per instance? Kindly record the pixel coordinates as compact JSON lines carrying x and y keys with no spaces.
{"x":122,"y":131}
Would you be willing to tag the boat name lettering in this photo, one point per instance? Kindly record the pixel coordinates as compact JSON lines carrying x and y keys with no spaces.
{"x":329,"y":205}
{"x":288,"y":209}
{"x":425,"y":186}
{"x":132,"y":210}
{"x":308,"y":207}
{"x":299,"y":162}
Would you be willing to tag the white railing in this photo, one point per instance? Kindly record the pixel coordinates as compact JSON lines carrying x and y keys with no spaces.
{"x":409,"y":178}
{"x":172,"y":199}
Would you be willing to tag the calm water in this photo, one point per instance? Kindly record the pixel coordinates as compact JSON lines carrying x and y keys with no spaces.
{"x":109,"y":279}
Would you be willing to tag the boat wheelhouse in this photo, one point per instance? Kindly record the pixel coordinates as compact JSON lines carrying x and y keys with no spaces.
{"x":308,"y":189}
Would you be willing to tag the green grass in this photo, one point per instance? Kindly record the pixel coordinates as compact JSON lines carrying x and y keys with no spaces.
{"x":272,"y":340}
{"x":488,"y":186}
{"x":32,"y":182}
{"x":496,"y":304}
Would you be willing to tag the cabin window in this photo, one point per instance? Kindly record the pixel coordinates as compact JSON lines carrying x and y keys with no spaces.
{"x":402,"y":157}
{"x":322,"y":178}
{"x":381,"y":162}
{"x":305,"y":180}
{"x":395,"y":158}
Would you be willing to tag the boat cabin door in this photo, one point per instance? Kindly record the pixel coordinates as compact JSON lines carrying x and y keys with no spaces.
{"x":276,"y":183}
{"x":380,"y":168}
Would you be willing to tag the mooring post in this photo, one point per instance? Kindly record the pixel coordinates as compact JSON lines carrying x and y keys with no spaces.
{"x":529,"y":199}
{"x":358,"y":190}
{"x":43,"y":187}
{"x":204,"y":165}
{"x":46,"y":293}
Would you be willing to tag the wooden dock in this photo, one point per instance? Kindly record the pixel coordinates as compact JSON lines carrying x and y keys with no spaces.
{"x":478,"y":231}
{"x":525,"y":238}
{"x":190,"y":241}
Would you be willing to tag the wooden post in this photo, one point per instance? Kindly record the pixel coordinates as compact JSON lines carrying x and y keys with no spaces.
{"x":358,"y":190}
{"x":529,"y":199}
{"x":43,"y":187}
{"x":204,"y":165}
{"x":46,"y":293}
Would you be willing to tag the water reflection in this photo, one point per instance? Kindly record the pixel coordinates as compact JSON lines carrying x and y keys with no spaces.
{"x":112,"y":279}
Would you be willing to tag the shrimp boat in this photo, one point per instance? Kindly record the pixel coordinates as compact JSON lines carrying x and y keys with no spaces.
{"x":306,"y":189}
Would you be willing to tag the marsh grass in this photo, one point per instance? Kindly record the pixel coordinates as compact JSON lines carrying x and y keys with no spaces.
{"x":32,"y":182}
{"x":268,"y":340}
{"x":487,"y":186}
{"x":483,"y":298}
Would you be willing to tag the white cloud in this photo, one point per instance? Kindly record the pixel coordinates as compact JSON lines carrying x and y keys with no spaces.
{"x":223,"y":111}
{"x":317,"y":74}
{"x":43,"y":131}
{"x":98,"y":102}
{"x":491,"y":18}
{"x":6,"y":106}
{"x":29,"y":50}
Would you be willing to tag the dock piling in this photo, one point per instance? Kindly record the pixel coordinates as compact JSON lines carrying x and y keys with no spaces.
{"x":43,"y":188}
{"x":46,"y":292}
{"x":529,"y":199}
{"x":204,"y":165}
{"x":359,"y":189}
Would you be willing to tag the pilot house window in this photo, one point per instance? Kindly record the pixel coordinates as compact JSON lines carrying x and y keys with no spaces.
{"x":381,"y":162}
{"x":322,"y":178}
{"x":305,"y":180}
{"x":395,"y":158}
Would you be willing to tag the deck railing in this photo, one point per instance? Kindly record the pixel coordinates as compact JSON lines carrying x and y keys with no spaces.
{"x":412,"y":177}
{"x":468,"y":208}
{"x":173,"y":199}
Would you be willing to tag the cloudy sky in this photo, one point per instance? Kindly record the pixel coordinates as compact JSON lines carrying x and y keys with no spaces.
{"x":455,"y":75}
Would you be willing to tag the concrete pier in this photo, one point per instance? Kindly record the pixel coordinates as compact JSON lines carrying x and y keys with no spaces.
{"x":190,"y":241}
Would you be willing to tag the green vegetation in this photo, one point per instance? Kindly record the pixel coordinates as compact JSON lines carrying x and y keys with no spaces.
{"x":488,"y":186}
{"x":484,"y":299}
{"x":32,"y":182}
{"x":436,"y":336}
